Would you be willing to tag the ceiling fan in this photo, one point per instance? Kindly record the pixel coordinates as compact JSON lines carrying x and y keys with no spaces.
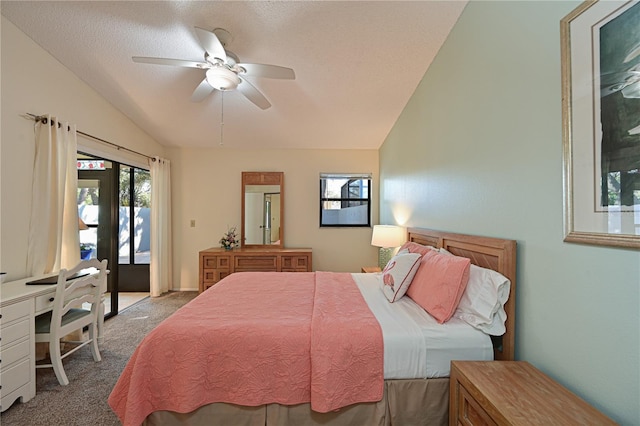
{"x":224,"y":71}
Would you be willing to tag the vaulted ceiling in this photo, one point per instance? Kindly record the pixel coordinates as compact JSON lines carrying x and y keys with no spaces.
{"x":356,"y":64}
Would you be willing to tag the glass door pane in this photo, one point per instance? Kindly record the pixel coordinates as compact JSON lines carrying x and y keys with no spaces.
{"x":88,"y":213}
{"x":124,"y":221}
{"x":134,"y":239}
{"x":95,"y":201}
{"x":142,"y":219}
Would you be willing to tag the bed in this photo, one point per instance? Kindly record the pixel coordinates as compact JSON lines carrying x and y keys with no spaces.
{"x":323,"y":360}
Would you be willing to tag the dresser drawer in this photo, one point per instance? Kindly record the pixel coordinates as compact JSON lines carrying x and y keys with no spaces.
{"x":14,"y":311}
{"x":214,"y":275}
{"x":15,"y":331}
{"x":12,"y":353}
{"x":14,"y":377}
{"x":216,"y":262}
{"x":295,"y":263}
{"x":256,"y":263}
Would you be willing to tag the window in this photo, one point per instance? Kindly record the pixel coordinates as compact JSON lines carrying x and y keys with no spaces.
{"x":345,"y":199}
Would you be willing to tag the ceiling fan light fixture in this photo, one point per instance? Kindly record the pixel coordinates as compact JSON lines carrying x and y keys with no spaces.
{"x":222,"y":78}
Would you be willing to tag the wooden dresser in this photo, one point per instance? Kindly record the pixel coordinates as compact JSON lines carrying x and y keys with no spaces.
{"x":216,"y":263}
{"x":513,"y":393}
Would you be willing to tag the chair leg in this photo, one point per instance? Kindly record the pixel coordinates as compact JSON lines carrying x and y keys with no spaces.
{"x":93,"y":335}
{"x":100,"y":319}
{"x":56,"y":362}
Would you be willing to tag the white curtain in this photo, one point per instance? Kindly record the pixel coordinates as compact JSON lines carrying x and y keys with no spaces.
{"x":161,"y":246}
{"x":53,"y":230}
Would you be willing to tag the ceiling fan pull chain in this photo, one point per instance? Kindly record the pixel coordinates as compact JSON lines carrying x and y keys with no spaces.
{"x":222,"y":120}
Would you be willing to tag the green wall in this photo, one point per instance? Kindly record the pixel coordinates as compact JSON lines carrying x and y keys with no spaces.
{"x":478,"y":149}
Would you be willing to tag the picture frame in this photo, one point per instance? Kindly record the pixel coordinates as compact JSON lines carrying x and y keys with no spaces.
{"x":600,"y":65}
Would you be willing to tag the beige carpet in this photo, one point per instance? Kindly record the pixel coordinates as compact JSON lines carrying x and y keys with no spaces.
{"x":84,"y":400}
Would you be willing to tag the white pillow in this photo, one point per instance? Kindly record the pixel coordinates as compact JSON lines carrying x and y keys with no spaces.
{"x":397,"y":275}
{"x":482,"y":303}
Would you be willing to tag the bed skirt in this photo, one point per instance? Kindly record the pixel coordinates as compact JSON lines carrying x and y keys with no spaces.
{"x":405,"y":402}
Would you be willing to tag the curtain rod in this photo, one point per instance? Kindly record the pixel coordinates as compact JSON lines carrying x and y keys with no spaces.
{"x":44,"y":119}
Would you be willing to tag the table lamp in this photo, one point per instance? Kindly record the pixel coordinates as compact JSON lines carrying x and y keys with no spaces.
{"x":387,"y":237}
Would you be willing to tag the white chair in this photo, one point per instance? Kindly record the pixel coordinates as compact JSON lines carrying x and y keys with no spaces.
{"x":69,"y":315}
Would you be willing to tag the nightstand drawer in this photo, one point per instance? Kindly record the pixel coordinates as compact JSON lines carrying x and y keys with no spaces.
{"x":469,"y":411}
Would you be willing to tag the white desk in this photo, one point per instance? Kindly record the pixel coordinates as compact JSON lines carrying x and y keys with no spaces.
{"x":19,"y":305}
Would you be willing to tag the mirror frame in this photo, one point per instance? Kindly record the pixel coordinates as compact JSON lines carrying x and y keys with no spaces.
{"x":263,"y":178}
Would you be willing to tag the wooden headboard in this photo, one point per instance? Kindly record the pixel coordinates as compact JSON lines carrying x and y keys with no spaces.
{"x":491,"y":253}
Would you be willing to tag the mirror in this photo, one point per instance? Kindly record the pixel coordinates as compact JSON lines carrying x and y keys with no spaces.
{"x":262,"y":209}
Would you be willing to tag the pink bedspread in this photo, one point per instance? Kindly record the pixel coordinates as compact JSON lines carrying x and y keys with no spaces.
{"x":257,"y":338}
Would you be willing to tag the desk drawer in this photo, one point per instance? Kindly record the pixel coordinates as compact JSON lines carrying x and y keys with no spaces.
{"x":14,"y":311}
{"x":11,"y":354}
{"x":44,"y":303}
{"x":15,"y":377}
{"x":16,"y":331}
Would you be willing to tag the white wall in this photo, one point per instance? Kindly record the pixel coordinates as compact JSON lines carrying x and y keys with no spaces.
{"x":478,"y":149}
{"x":34,"y":82}
{"x":207,"y":189}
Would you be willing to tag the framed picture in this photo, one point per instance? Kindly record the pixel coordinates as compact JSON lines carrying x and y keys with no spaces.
{"x":601,"y":123}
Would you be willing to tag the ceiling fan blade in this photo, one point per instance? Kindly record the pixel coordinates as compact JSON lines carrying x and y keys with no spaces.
{"x":203,"y":90}
{"x":211,"y":44}
{"x":269,"y":71}
{"x":173,"y":62}
{"x":253,"y":94}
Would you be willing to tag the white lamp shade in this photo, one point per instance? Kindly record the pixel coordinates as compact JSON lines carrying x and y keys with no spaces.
{"x":388,"y":236}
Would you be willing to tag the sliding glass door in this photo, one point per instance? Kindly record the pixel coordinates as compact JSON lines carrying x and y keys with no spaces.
{"x":134,"y":230}
{"x":113,"y":206}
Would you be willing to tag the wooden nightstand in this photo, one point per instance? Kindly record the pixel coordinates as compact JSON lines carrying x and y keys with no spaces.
{"x":370,"y":269}
{"x":513,"y":392}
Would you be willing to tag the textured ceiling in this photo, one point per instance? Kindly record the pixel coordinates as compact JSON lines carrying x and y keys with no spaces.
{"x":357,"y":64}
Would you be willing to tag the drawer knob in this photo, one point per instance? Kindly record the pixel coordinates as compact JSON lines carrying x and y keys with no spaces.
{"x":51,"y":299}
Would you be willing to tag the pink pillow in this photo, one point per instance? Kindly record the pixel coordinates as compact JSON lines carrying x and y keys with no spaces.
{"x":439,"y":284}
{"x":416,"y":248}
